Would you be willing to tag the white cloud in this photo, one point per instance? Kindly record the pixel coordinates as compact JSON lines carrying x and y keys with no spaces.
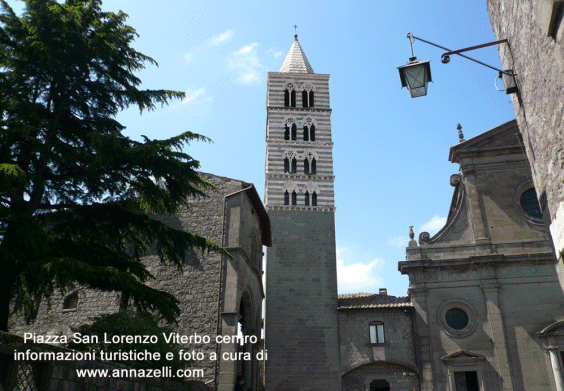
{"x":399,"y":241}
{"x":226,"y":36}
{"x":192,"y":95}
{"x":356,"y":276}
{"x":246,"y":49}
{"x":245,"y":63}
{"x":188,"y":57}
{"x":275,"y":53}
{"x":434,"y":225}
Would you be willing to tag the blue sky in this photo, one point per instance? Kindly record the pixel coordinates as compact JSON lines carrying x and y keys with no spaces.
{"x":391,"y":151}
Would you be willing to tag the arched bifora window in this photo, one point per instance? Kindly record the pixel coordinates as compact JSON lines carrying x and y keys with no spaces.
{"x":314,"y":199}
{"x":290,"y":161}
{"x":286,"y":132}
{"x":289,"y":97}
{"x":309,"y":130}
{"x":307,"y":95}
{"x":294,"y":131}
{"x":306,"y":166}
{"x":376,"y":332}
{"x":306,"y":198}
{"x":294,"y":198}
{"x":286,"y":198}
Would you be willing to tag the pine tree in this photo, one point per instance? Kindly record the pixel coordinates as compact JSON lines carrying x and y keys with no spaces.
{"x":78,"y":199}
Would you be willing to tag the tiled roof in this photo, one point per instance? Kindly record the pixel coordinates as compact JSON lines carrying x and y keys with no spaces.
{"x":372,"y":300}
{"x":296,"y":60}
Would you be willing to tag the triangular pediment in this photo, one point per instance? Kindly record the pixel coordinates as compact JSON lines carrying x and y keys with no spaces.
{"x":463,"y":356}
{"x":504,"y":138}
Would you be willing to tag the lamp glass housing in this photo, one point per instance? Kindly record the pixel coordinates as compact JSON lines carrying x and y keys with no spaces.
{"x":509,"y":82}
{"x":416,"y":75}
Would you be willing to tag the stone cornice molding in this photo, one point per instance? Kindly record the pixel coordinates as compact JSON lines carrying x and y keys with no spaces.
{"x":319,"y":208}
{"x":469,"y":169}
{"x":299,"y":109}
{"x":491,"y":287}
{"x":473,"y":262}
{"x":295,"y":143}
{"x":305,"y":177}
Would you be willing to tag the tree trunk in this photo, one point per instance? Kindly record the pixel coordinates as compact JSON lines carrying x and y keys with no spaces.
{"x":7,"y":281}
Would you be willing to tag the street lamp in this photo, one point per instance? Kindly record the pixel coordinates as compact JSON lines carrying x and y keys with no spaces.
{"x":415,"y":75}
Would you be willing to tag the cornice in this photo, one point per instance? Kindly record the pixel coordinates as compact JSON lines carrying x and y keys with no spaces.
{"x":323,"y":208}
{"x":272,"y":141}
{"x":312,"y":177}
{"x":299,"y":109}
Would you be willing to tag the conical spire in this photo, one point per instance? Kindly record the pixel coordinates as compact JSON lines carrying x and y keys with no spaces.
{"x":296,"y":60}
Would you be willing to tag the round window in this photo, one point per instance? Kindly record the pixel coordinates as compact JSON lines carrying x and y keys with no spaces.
{"x":530,"y":203}
{"x":456,"y":318}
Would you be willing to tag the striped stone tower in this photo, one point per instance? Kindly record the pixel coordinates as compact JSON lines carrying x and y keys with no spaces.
{"x":301,"y":325}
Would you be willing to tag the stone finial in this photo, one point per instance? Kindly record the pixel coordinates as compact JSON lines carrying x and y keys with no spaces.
{"x":412,"y":242}
{"x":460,"y":134}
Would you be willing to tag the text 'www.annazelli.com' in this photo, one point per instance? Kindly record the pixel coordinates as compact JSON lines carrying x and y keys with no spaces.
{"x":141,"y":373}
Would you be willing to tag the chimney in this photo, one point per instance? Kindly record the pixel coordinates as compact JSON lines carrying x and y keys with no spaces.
{"x":383,"y":292}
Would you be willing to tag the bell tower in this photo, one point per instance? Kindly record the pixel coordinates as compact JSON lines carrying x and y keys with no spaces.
{"x":301,"y":324}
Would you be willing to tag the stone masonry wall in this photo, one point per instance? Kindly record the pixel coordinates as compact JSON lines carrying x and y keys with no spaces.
{"x":301,"y":303}
{"x":62,"y":375}
{"x":196,"y":286}
{"x":360,"y":378}
{"x":538,"y":60}
{"x":356,"y":349}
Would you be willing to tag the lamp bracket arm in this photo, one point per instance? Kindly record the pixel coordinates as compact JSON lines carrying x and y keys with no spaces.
{"x":445,"y":58}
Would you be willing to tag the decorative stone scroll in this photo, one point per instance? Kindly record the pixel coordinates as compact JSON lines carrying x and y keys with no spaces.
{"x":424,"y":237}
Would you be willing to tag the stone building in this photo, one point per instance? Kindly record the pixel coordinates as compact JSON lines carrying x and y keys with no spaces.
{"x":301,"y":327}
{"x":535,"y":33}
{"x":377,"y":342}
{"x":484,"y":288}
{"x":218,"y":295}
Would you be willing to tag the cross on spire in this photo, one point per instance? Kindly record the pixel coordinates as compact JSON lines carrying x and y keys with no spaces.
{"x":295,"y":31}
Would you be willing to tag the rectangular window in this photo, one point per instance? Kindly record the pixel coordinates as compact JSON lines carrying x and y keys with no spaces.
{"x":466,"y":381}
{"x":377,"y":332}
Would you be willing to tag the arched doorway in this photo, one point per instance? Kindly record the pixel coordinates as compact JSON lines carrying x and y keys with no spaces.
{"x":379,"y":385}
{"x":245,"y":327}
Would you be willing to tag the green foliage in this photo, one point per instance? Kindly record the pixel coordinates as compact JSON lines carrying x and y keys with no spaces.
{"x":126,"y":323}
{"x":77,"y":197}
